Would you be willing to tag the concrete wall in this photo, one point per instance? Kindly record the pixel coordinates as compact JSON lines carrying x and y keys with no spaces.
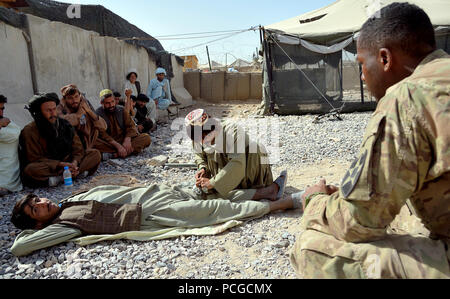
{"x":223,"y":86}
{"x":64,"y":54}
{"x":15,"y":75}
{"x":179,"y":92}
{"x":192,"y":83}
{"x":212,"y":86}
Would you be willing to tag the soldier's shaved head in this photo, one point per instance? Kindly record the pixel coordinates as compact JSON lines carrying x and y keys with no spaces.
{"x":402,"y":26}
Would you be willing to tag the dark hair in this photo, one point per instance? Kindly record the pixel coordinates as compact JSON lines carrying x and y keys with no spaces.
{"x":143,"y":98}
{"x":117,"y":94}
{"x":70,"y":91}
{"x":129,"y":75}
{"x":133,"y":98}
{"x":36,"y":102}
{"x":399,"y":25}
{"x":19,"y":218}
{"x":3,"y":99}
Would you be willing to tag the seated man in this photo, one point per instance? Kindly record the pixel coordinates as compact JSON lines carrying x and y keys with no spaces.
{"x":159,"y":91}
{"x":227,"y":159}
{"x":77,"y":110}
{"x":135,"y":213}
{"x":404,"y":158}
{"x":119,"y":100}
{"x":121,"y":138}
{"x":145,"y":121}
{"x":50,"y":143}
{"x":9,"y":156}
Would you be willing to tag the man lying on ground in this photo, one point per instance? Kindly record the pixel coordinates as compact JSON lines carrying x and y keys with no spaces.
{"x":135,"y":213}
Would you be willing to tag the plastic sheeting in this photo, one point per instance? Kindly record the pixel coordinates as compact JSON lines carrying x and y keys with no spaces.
{"x":341,"y":19}
{"x":292,"y":40}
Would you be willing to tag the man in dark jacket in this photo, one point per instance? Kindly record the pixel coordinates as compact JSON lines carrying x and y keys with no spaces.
{"x":50,"y":143}
{"x":120,"y":139}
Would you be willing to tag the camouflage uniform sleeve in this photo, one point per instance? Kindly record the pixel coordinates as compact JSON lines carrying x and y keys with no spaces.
{"x":393,"y":162}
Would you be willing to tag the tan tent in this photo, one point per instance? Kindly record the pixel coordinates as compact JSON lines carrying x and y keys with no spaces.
{"x":303,"y":68}
{"x":343,"y":18}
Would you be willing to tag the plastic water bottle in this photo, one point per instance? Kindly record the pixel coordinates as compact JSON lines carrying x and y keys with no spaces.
{"x":68,"y":183}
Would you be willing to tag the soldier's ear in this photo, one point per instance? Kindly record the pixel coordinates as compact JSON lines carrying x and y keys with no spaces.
{"x":385,"y":58}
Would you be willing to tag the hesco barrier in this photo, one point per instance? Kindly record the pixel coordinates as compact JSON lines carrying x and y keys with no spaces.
{"x":223,"y":86}
{"x":43,"y":56}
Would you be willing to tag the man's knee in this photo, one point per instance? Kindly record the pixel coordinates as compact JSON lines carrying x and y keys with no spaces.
{"x":37,"y":171}
{"x":94,"y":155}
{"x":140,"y":142}
{"x":91,"y":161}
{"x":317,"y":255}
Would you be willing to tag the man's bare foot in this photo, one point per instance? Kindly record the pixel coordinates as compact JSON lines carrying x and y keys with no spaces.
{"x":270,"y":193}
{"x":285,"y":203}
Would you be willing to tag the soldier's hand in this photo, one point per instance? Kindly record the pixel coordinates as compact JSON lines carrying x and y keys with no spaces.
{"x":321,"y":187}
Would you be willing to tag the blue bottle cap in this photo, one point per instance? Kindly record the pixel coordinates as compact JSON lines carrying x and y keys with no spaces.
{"x":66,"y":167}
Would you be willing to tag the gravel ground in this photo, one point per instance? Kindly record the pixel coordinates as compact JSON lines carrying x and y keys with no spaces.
{"x":257,"y":249}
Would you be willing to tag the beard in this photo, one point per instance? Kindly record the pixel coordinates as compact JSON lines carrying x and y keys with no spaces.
{"x":58,"y":134}
{"x":74,"y":107}
{"x":110,"y":110}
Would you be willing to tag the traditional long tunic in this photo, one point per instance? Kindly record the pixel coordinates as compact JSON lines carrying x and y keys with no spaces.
{"x":167,"y":212}
{"x":39,"y":166}
{"x":160,"y":91}
{"x":117,"y":131}
{"x":235,"y":163}
{"x":9,"y":158}
{"x":89,"y":130}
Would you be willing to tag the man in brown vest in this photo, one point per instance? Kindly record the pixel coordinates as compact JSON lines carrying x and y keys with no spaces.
{"x":121,"y":138}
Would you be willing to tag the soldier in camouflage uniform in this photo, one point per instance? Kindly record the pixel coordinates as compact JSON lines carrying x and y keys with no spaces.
{"x":404,"y":158}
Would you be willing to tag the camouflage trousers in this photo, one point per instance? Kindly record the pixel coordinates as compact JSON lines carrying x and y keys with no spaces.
{"x":318,"y":255}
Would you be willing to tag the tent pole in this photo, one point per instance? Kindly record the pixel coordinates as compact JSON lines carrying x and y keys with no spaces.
{"x":267,"y":56}
{"x":209,"y":60}
{"x":261,"y":34}
{"x":342,"y":75}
